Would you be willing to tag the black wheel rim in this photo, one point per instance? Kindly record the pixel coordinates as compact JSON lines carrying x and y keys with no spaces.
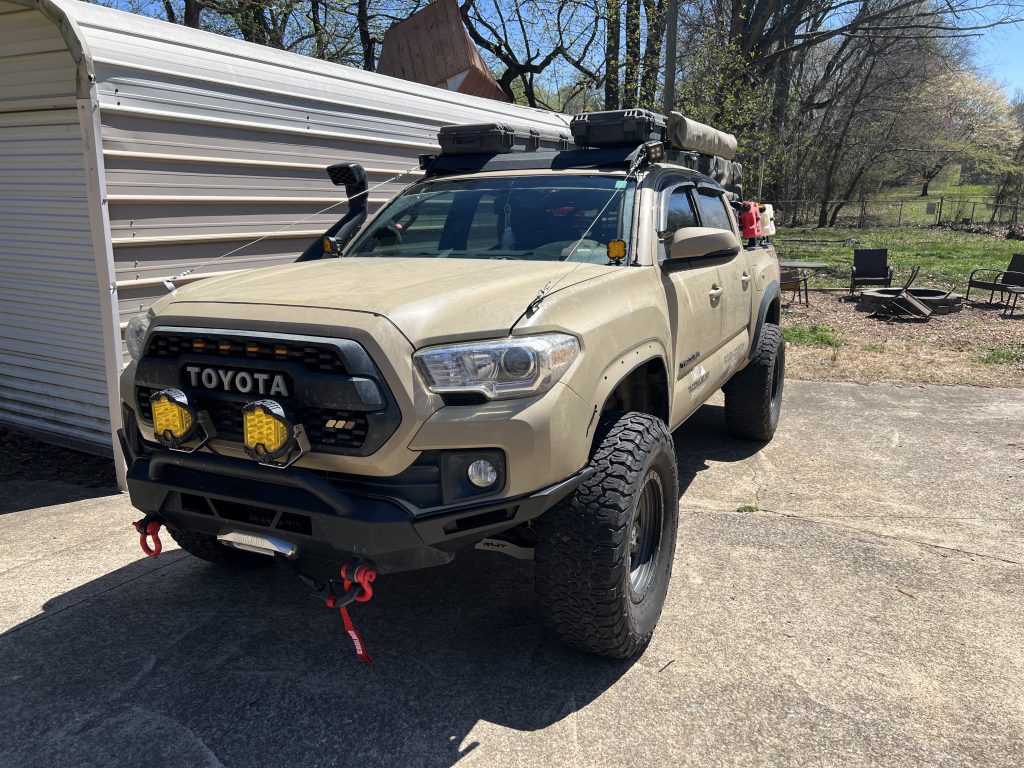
{"x":645,"y":536}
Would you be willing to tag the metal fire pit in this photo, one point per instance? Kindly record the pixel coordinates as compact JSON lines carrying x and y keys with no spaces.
{"x":938,"y":300}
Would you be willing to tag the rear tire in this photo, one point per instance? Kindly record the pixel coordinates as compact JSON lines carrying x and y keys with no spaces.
{"x":206,"y":547}
{"x":604,"y":555}
{"x":753,"y":396}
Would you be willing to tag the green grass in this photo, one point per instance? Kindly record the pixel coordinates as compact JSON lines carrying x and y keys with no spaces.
{"x":1009,"y":355}
{"x":748,"y":509}
{"x":946,"y":184}
{"x":817,"y":335}
{"x":946,"y":258}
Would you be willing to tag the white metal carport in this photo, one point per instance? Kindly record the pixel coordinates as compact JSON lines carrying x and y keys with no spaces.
{"x":133,"y":149}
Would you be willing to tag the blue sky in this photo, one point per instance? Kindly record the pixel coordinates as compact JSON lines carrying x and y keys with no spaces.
{"x":1001,"y":54}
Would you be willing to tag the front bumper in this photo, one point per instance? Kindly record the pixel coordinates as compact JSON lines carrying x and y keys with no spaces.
{"x":211,"y":494}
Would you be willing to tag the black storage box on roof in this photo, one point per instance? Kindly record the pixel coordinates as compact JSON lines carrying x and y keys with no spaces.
{"x":482,"y":138}
{"x":622,"y":127}
{"x":494,"y":139}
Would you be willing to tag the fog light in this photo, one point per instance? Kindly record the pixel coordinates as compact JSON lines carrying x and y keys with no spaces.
{"x":482,"y":473}
{"x":266,"y":432}
{"x":174,"y":421}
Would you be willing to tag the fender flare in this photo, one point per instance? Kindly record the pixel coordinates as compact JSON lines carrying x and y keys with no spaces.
{"x":623,"y":365}
{"x":771,"y":292}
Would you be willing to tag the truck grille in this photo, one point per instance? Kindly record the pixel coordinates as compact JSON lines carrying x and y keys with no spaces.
{"x":335,"y":390}
{"x":311,"y":358}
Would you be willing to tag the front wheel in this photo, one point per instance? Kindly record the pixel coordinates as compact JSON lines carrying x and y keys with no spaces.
{"x":604,"y":556}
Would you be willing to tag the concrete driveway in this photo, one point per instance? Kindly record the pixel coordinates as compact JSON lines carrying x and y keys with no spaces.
{"x":869,"y":612}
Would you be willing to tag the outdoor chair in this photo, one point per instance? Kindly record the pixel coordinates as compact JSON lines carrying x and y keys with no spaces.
{"x":870,"y":267}
{"x":904,"y":304}
{"x":794,"y":280}
{"x":992,"y":280}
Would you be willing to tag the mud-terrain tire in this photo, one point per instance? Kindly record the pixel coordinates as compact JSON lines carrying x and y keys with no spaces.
{"x":206,"y":547}
{"x":604,"y":555}
{"x":753,"y":396}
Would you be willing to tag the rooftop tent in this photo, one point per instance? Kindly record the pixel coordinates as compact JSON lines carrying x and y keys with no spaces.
{"x":133,"y":149}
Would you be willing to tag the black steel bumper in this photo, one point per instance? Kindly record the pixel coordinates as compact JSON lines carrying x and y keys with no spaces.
{"x":208,"y":493}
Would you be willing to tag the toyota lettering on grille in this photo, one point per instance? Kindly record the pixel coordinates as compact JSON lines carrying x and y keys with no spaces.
{"x":242,"y":382}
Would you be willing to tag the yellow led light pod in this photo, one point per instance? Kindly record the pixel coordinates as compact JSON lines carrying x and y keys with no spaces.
{"x":616,"y":250}
{"x":174,"y":420}
{"x":267,"y":435}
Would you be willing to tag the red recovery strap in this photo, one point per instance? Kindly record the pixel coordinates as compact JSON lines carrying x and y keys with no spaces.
{"x":363,"y":576}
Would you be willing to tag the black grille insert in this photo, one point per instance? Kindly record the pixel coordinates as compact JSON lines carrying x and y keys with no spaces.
{"x":171,"y":346}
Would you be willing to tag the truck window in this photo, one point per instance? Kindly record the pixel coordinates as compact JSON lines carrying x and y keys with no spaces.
{"x":550,"y":217}
{"x":680,"y":211}
{"x":712,"y":211}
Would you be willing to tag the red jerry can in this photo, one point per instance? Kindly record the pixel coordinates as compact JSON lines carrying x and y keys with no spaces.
{"x":750,"y":219}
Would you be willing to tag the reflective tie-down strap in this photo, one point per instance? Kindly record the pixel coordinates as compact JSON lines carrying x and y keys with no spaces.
{"x":356,"y":578}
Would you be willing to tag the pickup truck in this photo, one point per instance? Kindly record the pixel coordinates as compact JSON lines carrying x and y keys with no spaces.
{"x":496,"y":359}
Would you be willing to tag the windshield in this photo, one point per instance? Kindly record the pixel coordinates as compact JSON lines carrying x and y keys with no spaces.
{"x":539,"y":218}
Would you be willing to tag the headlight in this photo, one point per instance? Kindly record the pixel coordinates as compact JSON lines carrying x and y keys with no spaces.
{"x":514,"y":367}
{"x":135,"y":334}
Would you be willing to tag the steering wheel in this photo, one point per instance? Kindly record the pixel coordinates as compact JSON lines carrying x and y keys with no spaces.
{"x":396,"y":232}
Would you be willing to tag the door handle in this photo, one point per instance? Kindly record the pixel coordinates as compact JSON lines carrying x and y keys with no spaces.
{"x":715,"y":291}
{"x":744,"y":278}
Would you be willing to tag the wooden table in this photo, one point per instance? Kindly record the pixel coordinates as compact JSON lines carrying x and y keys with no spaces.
{"x":814,"y":266}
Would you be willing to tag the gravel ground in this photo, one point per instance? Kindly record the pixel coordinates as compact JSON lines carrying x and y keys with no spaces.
{"x":945,"y":350}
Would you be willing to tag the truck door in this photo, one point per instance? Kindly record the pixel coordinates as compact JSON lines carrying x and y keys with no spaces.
{"x":694,"y":292}
{"x":736,"y":282}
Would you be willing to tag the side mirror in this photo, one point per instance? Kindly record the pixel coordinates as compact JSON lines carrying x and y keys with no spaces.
{"x":703,"y":243}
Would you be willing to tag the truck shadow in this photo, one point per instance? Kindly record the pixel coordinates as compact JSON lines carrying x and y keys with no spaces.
{"x":192,"y":664}
{"x":179,"y":662}
{"x":705,"y":436}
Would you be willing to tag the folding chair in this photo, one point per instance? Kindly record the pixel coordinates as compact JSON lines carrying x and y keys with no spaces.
{"x":904,"y":304}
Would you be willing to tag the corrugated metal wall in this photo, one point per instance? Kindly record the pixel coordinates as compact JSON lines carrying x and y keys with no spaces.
{"x":208,"y":144}
{"x":52,"y":362}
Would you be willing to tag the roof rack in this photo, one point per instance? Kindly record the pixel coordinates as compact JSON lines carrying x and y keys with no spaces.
{"x":602,"y":139}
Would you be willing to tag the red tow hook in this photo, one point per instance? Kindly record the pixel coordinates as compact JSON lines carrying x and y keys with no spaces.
{"x":149,"y":528}
{"x":363,"y":575}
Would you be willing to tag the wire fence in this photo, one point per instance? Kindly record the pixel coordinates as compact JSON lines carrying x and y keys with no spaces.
{"x":861,"y":214}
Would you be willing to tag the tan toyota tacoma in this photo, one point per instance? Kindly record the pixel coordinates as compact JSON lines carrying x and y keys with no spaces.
{"x":497,"y":359}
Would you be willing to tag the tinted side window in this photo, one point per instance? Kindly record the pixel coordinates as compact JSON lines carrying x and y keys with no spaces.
{"x":680,"y":211}
{"x":712,"y":211}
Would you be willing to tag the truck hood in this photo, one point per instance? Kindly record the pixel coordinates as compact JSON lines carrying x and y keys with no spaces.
{"x":429,"y":299}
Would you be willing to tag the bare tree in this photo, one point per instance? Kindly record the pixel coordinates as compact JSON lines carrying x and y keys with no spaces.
{"x":528,"y":41}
